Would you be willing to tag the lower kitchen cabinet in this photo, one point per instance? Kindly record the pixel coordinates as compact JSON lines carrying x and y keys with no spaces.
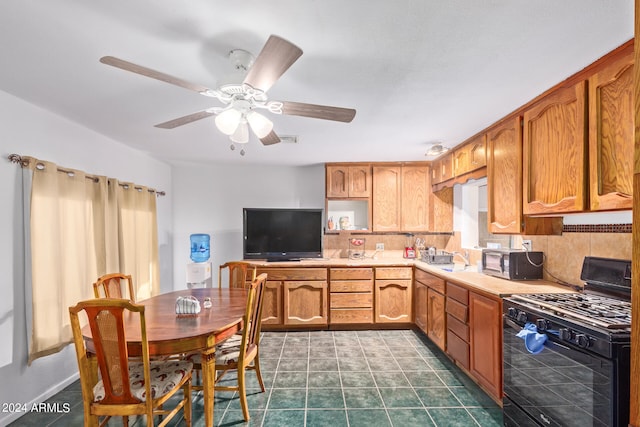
{"x":305,"y":302}
{"x":393,"y":295}
{"x":272,"y":303}
{"x":351,"y":295}
{"x":430,"y":306}
{"x":485,"y":318}
{"x":458,"y":324}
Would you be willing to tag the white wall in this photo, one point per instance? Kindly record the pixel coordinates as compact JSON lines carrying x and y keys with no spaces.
{"x":29,"y":130}
{"x":209,"y":199}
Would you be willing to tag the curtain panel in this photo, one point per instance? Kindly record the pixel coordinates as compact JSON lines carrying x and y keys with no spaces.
{"x":82,"y":227}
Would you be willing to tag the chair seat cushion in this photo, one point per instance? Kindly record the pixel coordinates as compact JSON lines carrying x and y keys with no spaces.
{"x":227,"y":351}
{"x":165,"y":375}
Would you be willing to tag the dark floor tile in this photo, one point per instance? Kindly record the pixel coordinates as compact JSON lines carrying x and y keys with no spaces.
{"x":326,"y":418}
{"x":357,"y":379}
{"x":368,"y":418}
{"x":383,"y":364}
{"x":323,"y":364}
{"x":487,"y":417}
{"x":283,"y":418}
{"x":256,"y":399}
{"x":451,"y":417}
{"x":390,"y":379}
{"x":423,"y":379}
{"x":437,"y":397}
{"x":293,"y":364}
{"x":362,"y":398}
{"x":295,"y":352}
{"x":409,"y":417}
{"x":268,"y":364}
{"x":324,"y":379}
{"x":290,"y":380}
{"x":371,"y":351}
{"x":413,"y":364}
{"x":329,"y":398}
{"x":449,"y":378}
{"x":355,"y":352}
{"x":287,"y":398}
{"x":473,"y":397}
{"x":323,"y":351}
{"x":236,"y":418}
{"x":353,"y":364}
{"x":400,"y":398}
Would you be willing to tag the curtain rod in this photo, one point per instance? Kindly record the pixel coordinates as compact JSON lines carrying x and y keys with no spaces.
{"x":18,"y":159}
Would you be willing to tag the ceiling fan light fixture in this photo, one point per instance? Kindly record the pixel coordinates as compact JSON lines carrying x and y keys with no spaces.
{"x":227,"y":122}
{"x":260,"y":125}
{"x":241,"y":134}
{"x":436,"y":150}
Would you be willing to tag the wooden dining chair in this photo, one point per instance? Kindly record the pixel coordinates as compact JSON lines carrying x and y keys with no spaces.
{"x":111,"y":286}
{"x":238,"y":271}
{"x":241,"y":352}
{"x":127,"y":386}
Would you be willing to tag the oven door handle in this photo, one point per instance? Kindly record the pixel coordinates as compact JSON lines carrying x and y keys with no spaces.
{"x":552,"y":341}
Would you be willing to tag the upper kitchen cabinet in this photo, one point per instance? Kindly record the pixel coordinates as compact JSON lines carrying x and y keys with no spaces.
{"x":611,"y":140}
{"x":442,"y":169}
{"x":348,"y":181}
{"x":504,"y":177}
{"x":554,"y":154}
{"x":401,"y":198}
{"x":471,"y":156}
{"x":415,"y":191}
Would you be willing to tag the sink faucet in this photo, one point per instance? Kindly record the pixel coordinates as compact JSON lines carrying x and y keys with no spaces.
{"x":464,"y":256}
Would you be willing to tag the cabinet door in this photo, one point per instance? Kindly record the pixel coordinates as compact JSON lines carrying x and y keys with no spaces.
{"x":485,"y":319}
{"x":272,"y":303}
{"x":477,"y":153}
{"x":504,"y":178}
{"x":447,"y":167}
{"x":386,"y":198}
{"x":436,"y":318}
{"x":393,"y":301}
{"x":611,"y":118}
{"x":415,"y":198}
{"x":554,"y":155}
{"x":360,"y":181}
{"x":442,"y":210}
{"x":305,"y":302}
{"x":337,"y":180}
{"x":421,"y":306}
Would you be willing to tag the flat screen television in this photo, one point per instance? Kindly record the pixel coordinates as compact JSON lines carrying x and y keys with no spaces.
{"x":282,"y":234}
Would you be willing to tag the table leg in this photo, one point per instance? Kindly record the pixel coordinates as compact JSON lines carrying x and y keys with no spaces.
{"x":208,"y":364}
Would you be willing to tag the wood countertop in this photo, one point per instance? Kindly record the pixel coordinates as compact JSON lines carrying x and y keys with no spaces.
{"x":469,"y":277}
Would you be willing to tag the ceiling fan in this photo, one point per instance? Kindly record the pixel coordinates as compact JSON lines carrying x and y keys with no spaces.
{"x":244,"y":93}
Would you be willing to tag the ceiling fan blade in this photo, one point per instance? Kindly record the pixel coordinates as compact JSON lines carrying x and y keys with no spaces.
{"x":139,"y":69}
{"x":324,"y":112}
{"x":270,"y":139}
{"x":185,"y":120}
{"x":274,"y":59}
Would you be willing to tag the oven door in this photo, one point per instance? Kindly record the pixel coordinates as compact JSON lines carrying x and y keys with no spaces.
{"x":560,"y":386}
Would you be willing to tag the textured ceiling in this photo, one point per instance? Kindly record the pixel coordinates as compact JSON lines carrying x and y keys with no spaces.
{"x":416,"y":71}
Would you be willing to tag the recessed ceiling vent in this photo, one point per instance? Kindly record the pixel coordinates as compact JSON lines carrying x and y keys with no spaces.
{"x":289,"y":139}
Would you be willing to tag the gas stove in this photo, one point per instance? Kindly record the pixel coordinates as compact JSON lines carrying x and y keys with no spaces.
{"x":601,"y":311}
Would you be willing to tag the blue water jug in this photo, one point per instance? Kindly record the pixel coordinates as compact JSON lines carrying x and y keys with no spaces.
{"x":200,"y":247}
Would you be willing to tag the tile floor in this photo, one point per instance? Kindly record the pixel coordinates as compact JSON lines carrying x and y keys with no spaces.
{"x":336,"y":378}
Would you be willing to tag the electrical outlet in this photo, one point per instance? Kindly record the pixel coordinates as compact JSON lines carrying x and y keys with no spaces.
{"x":526,"y":244}
{"x":379,"y":246}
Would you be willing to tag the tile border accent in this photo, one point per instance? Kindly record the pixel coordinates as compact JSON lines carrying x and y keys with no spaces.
{"x":597,"y":228}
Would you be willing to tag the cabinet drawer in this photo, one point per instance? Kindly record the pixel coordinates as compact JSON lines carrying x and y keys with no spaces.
{"x":458,"y":293}
{"x":351,"y":316}
{"x":430,"y":280}
{"x":458,"y":349}
{"x":349,"y":300}
{"x":393,"y":273}
{"x":294,"y":273}
{"x":457,"y":310}
{"x":351,"y":286}
{"x":351,"y":273}
{"x":458,"y":327}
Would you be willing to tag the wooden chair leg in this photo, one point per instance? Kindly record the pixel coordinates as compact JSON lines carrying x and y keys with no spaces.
{"x":256,"y":367}
{"x":187,"y":405}
{"x":242,"y":390}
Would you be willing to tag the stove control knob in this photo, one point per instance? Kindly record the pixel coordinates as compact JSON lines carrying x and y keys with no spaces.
{"x":541,"y":324}
{"x":583,"y":341}
{"x":522,"y":317}
{"x":512,"y":312}
{"x":565,"y":334}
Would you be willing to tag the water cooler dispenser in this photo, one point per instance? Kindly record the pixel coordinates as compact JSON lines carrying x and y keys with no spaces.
{"x":199,"y":270}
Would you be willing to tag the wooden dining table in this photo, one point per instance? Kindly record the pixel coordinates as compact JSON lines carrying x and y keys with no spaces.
{"x":171,"y":334}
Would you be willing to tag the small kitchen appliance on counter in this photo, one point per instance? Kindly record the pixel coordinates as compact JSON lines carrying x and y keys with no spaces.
{"x":512,"y":264}
{"x":577,"y":372}
{"x":434,"y":256}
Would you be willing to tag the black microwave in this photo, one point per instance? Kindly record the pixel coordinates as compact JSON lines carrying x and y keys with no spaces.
{"x":512,"y":264}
